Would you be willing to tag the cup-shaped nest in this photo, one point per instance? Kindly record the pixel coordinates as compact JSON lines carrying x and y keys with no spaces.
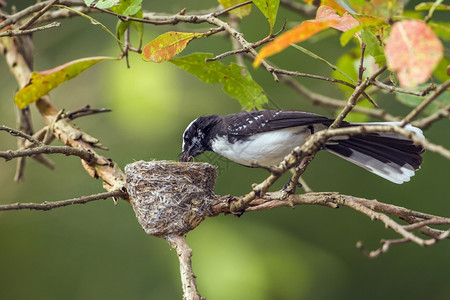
{"x":170,"y":197}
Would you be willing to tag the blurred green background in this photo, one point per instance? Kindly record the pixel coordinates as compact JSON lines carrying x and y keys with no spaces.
{"x":99,"y":251}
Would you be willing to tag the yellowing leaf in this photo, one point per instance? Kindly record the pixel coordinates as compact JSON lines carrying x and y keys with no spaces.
{"x":413,"y":51}
{"x":269,"y":8}
{"x":240,"y":11}
{"x":300,"y":33}
{"x":330,"y":3}
{"x":43,"y":82}
{"x":167,"y":45}
{"x":236,"y":83}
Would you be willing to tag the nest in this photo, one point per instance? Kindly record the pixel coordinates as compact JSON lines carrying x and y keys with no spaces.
{"x":170,"y":197}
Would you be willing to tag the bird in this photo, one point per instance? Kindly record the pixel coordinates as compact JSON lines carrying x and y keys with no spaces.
{"x":264,"y":138}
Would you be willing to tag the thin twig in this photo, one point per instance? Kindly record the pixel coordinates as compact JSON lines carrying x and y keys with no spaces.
{"x":320,"y":99}
{"x":37,"y":15}
{"x":226,"y":10}
{"x":394,"y":89}
{"x":416,"y":111}
{"x":427,"y":121}
{"x":361,"y":64}
{"x":28,"y":31}
{"x":19,"y":133}
{"x":84,"y":154}
{"x":12,"y":19}
{"x":62,"y":203}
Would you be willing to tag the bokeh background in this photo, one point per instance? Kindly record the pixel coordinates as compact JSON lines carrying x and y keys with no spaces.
{"x":98,"y":250}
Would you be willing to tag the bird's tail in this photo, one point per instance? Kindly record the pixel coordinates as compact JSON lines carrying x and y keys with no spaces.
{"x":389,"y":155}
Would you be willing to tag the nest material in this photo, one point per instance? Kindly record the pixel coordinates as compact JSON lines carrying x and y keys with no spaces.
{"x":170,"y":197}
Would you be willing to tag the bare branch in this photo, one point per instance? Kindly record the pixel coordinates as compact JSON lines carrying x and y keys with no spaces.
{"x":84,"y":154}
{"x":320,"y":99}
{"x":184,"y":253}
{"x":19,"y":133}
{"x":392,"y":89}
{"x":416,"y":111}
{"x":351,"y":103}
{"x":371,"y":208}
{"x":12,"y":19}
{"x":427,"y":121}
{"x":28,"y":31}
{"x":216,"y":14}
{"x":36,"y":16}
{"x":62,"y":203}
{"x":359,"y":90}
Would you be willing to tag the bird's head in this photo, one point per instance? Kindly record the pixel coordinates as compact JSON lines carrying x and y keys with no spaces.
{"x":196,"y":137}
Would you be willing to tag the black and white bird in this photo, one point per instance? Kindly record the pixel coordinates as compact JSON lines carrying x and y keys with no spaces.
{"x":264,"y":138}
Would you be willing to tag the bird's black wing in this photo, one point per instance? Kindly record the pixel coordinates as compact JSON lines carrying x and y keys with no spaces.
{"x":249,"y":123}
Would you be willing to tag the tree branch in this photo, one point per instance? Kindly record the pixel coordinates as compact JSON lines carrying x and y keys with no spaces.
{"x":62,"y":203}
{"x":28,"y":31}
{"x":84,"y":154}
{"x":184,"y":253}
{"x":416,"y":111}
{"x":371,"y":208}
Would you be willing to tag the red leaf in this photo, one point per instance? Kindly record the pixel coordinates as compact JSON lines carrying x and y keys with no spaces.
{"x":413,"y":51}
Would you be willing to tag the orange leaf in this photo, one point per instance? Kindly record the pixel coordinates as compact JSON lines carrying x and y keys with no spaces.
{"x":413,"y":51}
{"x":167,"y":45}
{"x":300,"y":33}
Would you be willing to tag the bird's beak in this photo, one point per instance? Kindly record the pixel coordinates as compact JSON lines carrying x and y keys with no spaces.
{"x":185,"y":156}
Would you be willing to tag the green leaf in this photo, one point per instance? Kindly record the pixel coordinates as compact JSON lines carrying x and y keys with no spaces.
{"x":130,"y":8}
{"x":105,"y":4}
{"x":441,"y":70}
{"x":346,"y":6}
{"x":237,"y":81}
{"x":88,"y":2}
{"x":43,"y":82}
{"x":373,"y":47}
{"x":240,"y":11}
{"x":414,"y":101}
{"x":167,"y":45}
{"x":364,"y":23}
{"x":429,"y":5}
{"x":269,"y":8}
{"x":441,"y":29}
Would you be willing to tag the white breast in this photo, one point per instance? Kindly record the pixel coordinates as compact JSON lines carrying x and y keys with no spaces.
{"x":262,"y":149}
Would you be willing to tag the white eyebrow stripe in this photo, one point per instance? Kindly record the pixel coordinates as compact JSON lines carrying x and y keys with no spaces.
{"x":187,"y":128}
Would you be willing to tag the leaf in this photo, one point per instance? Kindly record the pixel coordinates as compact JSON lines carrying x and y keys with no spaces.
{"x":297,"y":34}
{"x":373,"y":47}
{"x":429,"y":5}
{"x":346,"y":6}
{"x":105,"y":4}
{"x":413,"y":51}
{"x":365,"y":22}
{"x":330,"y":3}
{"x":236,"y":84}
{"x":441,"y":29}
{"x":269,"y":8}
{"x":414,"y":101}
{"x":130,"y":8}
{"x":167,"y":45}
{"x":441,"y":71}
{"x":88,"y":2}
{"x":43,"y":82}
{"x":240,"y":11}
{"x":345,"y":23}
